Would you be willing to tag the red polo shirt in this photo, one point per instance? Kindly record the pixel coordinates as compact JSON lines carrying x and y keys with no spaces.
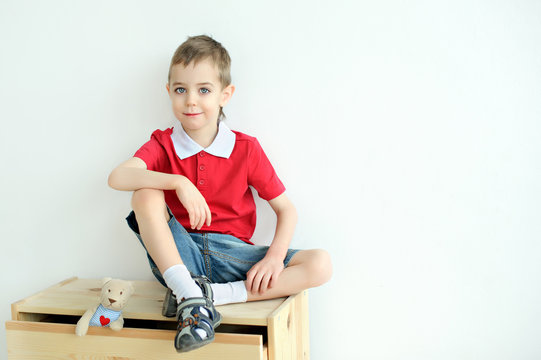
{"x":222,"y":173}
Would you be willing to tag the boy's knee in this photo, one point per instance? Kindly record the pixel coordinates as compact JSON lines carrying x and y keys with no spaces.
{"x":148,"y":201}
{"x":320,"y":267}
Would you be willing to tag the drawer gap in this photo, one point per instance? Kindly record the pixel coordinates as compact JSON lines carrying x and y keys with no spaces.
{"x":157,"y":325}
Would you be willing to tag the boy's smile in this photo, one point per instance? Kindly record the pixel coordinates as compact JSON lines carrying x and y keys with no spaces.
{"x":196,"y":96}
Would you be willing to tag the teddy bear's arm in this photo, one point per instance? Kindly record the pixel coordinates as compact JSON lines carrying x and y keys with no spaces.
{"x":82,"y":325}
{"x":118,"y":324}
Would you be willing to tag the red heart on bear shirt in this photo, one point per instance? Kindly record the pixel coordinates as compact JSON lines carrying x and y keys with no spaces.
{"x":104,"y":321}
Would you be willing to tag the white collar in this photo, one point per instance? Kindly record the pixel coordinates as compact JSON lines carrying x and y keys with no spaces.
{"x":222,"y":146}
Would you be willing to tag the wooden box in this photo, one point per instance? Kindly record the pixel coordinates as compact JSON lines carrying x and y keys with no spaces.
{"x":43,"y":327}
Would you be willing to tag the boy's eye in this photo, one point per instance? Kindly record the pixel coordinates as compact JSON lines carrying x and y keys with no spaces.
{"x":180,"y":90}
{"x":204,"y":91}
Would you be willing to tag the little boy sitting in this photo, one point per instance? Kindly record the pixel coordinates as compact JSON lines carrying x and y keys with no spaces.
{"x":194,"y":212}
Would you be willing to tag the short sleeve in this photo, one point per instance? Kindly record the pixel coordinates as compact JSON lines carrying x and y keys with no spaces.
{"x":153,"y":154}
{"x":261,"y":174}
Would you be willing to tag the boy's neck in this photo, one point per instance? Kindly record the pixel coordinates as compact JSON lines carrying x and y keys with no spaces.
{"x":204,"y":136}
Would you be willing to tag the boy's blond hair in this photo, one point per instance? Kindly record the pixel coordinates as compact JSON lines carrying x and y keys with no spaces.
{"x":201,"y":47}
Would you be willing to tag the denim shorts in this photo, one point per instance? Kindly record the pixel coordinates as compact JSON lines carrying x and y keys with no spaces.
{"x":220,"y":257}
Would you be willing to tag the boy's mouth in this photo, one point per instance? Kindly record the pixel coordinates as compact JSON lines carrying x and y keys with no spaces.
{"x":192,"y":114}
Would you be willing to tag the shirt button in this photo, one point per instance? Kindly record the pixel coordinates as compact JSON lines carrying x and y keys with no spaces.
{"x":202,"y":167}
{"x":201,"y":182}
{"x":201,"y":154}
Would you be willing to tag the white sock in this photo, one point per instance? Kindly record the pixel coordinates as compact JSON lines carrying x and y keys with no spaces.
{"x":179,"y":280}
{"x":228,"y":293}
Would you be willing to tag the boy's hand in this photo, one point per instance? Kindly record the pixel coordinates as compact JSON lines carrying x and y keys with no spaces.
{"x":194,"y":202}
{"x":263,"y":275}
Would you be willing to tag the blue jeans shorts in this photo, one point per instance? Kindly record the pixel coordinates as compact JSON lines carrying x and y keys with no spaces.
{"x":220,"y":257}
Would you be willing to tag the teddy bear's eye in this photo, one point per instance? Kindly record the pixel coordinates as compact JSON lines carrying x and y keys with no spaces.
{"x":121,"y":293}
{"x":109,"y":290}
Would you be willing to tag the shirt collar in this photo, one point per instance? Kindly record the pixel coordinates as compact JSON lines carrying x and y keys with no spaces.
{"x":222,"y":146}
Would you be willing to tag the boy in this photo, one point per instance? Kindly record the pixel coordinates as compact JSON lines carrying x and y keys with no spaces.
{"x":194,"y":212}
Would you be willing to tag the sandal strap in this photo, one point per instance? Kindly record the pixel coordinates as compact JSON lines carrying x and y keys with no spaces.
{"x":196,"y":303}
{"x":205,"y":327}
{"x":191,"y":302}
{"x":190,"y":316}
{"x":196,"y":321}
{"x":204,"y":284}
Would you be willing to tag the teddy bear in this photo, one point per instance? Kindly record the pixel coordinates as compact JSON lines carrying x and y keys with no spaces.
{"x":114,"y":296}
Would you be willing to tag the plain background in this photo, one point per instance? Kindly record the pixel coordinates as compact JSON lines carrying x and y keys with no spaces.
{"x":406,"y":132}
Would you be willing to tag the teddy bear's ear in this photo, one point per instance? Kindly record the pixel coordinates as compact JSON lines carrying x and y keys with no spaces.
{"x":132,"y":288}
{"x":105,"y":280}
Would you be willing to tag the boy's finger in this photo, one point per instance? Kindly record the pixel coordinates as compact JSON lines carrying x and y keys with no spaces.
{"x":195,"y":221}
{"x":191,"y":216}
{"x":207,"y":210}
{"x":249,"y":279}
{"x":271,"y":281}
{"x":257,"y":283}
{"x":198,"y":214}
{"x":264,"y":283}
{"x":201,"y":221}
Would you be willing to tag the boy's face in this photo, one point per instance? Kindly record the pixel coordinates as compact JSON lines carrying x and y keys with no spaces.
{"x":196,"y":95}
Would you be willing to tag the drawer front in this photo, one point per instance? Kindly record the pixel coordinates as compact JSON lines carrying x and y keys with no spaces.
{"x":34,"y":340}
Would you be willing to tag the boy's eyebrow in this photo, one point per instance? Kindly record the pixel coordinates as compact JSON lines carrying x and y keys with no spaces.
{"x":203,"y":83}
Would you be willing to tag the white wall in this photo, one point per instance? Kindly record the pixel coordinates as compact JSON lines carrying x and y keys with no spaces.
{"x":406,"y":132}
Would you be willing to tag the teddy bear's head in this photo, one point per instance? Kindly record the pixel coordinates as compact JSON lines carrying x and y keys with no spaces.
{"x":115,"y":293}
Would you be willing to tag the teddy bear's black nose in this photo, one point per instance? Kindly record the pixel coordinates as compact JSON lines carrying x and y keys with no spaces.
{"x":112,"y":301}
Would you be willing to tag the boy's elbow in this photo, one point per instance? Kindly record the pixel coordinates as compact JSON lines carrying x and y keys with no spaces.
{"x":121,"y":176}
{"x":294,"y":214}
{"x":289,"y":211}
{"x":283,"y":207}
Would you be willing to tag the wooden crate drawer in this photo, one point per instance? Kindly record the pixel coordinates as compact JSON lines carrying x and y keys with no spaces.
{"x":43,"y":327}
{"x":40,"y":340}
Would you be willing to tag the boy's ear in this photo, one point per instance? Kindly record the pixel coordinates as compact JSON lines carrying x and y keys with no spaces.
{"x":167,"y":87}
{"x":227,"y":93}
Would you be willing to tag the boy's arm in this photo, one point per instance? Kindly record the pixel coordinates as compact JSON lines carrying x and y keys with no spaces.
{"x":133,"y":175}
{"x":263,"y":274}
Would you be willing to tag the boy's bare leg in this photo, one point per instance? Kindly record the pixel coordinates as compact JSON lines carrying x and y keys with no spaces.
{"x":307,"y":269}
{"x":152,"y":218}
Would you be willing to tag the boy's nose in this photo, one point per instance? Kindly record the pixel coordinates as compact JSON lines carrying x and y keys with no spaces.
{"x":190,"y":100}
